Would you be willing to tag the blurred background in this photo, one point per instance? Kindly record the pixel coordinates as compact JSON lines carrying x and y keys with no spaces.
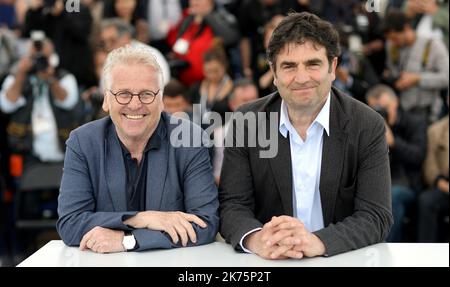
{"x":394,"y":58}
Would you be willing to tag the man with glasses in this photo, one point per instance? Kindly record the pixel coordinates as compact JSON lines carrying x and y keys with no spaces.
{"x":124,"y":186}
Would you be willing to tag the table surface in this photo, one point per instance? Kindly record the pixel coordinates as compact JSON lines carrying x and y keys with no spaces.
{"x":219,"y":254}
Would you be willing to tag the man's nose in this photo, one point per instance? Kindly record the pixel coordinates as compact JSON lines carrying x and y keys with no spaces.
{"x":135,"y":102}
{"x":301,"y":76}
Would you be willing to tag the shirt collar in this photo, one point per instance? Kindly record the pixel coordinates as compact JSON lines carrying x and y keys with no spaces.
{"x":323,"y":118}
{"x":154,"y":141}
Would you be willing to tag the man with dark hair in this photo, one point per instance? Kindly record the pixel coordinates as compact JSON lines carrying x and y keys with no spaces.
{"x":327,"y":191}
{"x":407,"y":139}
{"x":417,"y":67}
{"x":175,"y":98}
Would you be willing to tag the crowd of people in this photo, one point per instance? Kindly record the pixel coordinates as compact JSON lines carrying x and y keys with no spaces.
{"x":213,"y":53}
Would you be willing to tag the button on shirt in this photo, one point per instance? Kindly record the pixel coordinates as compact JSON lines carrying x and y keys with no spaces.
{"x":136,"y":183}
{"x":306,"y":160}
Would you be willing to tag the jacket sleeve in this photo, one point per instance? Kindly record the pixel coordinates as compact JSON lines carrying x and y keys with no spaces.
{"x":76,"y":201}
{"x":236,"y":193}
{"x":200,"y":199}
{"x":436,"y":76}
{"x":431,"y":167}
{"x":372,"y":217}
{"x":412,"y":150}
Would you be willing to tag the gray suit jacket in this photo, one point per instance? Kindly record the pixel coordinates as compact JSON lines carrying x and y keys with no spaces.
{"x":354,"y":182}
{"x":93,"y":185}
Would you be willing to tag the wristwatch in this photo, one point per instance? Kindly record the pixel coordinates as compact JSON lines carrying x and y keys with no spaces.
{"x":129,"y":242}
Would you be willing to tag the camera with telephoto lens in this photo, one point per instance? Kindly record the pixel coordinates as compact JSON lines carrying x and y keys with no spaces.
{"x":40,"y":61}
{"x":382,"y":111}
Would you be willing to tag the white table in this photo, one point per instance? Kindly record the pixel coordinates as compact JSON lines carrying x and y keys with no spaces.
{"x":219,"y":254}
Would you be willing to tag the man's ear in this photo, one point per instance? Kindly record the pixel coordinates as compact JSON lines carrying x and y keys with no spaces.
{"x":333,"y":67}
{"x":105,"y":105}
{"x":272,"y":69}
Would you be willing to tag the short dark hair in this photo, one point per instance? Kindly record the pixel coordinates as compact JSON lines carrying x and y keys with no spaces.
{"x":395,"y":21}
{"x":174,"y":89}
{"x":241,"y":82}
{"x":299,"y":28}
{"x":216,"y":53}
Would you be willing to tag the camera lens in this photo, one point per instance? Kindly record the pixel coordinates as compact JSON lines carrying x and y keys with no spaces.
{"x":38,"y":46}
{"x":382,"y":111}
{"x":40,"y":63}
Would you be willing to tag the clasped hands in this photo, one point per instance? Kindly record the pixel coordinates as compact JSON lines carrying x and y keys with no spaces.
{"x":176,"y":224}
{"x":284,"y":237}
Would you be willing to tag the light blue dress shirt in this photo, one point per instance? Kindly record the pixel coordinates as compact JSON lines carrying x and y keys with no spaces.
{"x":306,"y":160}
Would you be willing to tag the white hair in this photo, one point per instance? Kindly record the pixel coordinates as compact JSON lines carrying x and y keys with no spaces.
{"x":130,"y":54}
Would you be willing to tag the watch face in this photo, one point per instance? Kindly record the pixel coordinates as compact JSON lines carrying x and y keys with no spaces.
{"x":129,"y":242}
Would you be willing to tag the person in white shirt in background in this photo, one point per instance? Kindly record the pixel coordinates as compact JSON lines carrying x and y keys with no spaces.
{"x":39,"y":97}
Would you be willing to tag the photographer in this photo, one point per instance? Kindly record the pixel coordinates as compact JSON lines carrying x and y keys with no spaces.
{"x":406,"y":137}
{"x":417,"y":66}
{"x":40,"y":99}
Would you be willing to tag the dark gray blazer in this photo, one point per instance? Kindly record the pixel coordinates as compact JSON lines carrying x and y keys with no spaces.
{"x":354,"y":182}
{"x":93,"y":185}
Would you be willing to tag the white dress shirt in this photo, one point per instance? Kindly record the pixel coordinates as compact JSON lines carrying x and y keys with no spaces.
{"x":306,"y":160}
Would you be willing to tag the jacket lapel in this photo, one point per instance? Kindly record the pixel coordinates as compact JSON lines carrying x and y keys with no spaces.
{"x":157,"y":170}
{"x":115,"y":170}
{"x":282,"y":171}
{"x":281,"y":164}
{"x":332,"y":159}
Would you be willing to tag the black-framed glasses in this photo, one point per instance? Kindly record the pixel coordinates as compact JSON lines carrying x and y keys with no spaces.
{"x":125,"y":97}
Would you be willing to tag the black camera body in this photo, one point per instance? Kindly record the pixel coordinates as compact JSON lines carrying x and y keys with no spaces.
{"x":382,"y":111}
{"x":40,"y":61}
{"x":390,"y":81}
